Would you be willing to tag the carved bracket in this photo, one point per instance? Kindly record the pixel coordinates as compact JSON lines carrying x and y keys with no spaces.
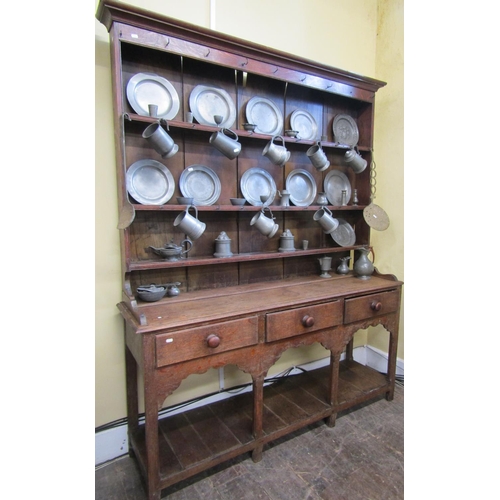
{"x":169,"y":378}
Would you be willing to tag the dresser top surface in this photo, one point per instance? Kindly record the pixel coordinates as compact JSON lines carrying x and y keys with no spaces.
{"x":204,"y":306}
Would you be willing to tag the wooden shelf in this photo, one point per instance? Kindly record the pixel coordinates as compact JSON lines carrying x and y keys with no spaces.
{"x":248,"y":208}
{"x":200,"y":438}
{"x":240,"y":132}
{"x":240,"y":257}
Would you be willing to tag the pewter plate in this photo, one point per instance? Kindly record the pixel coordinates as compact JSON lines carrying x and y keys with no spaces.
{"x":256,"y":182}
{"x":265,"y":114}
{"x":335,"y":182}
{"x":344,"y":235}
{"x":200,"y":183}
{"x":148,"y":88}
{"x":205,"y":102}
{"x":150,"y":182}
{"x":345,"y":130}
{"x":301,"y":186}
{"x":305,"y":123}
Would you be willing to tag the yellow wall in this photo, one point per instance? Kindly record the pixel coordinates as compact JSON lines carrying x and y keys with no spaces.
{"x":341,"y":33}
{"x":389,"y":154}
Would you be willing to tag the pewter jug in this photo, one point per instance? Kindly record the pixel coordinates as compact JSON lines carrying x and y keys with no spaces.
{"x":343,"y":268}
{"x":227,"y":145}
{"x":363,"y":267}
{"x":264,"y":224}
{"x":279,"y":155}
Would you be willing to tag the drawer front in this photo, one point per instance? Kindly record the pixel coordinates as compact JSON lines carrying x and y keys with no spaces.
{"x":370,"y":306}
{"x":205,"y":340}
{"x":283,"y":324}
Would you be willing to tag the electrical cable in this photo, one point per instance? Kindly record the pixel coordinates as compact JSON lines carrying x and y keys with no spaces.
{"x":233,"y":390}
{"x":280,"y":377}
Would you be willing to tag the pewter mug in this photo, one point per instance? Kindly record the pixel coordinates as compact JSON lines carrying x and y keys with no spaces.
{"x":279,"y":155}
{"x":264,"y":224}
{"x":160,"y":140}
{"x":324,"y":217}
{"x":355,"y":161}
{"x":190,"y":225}
{"x":228,"y":146}
{"x":318,"y":157}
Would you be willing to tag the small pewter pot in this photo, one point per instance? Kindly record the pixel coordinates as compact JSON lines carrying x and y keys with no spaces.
{"x":321,"y":199}
{"x":223,"y":245}
{"x":172,"y":289}
{"x":286,"y":242}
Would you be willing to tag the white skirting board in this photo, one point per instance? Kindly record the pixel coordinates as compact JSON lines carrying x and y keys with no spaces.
{"x":113,"y":443}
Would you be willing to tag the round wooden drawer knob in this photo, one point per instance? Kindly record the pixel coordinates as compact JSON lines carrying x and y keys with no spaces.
{"x":308,"y":321}
{"x":376,"y":306}
{"x":213,"y":341}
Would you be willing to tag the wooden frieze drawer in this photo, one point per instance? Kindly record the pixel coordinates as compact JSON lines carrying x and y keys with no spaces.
{"x":283,"y":324}
{"x":371,"y":305}
{"x":202,"y":341}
